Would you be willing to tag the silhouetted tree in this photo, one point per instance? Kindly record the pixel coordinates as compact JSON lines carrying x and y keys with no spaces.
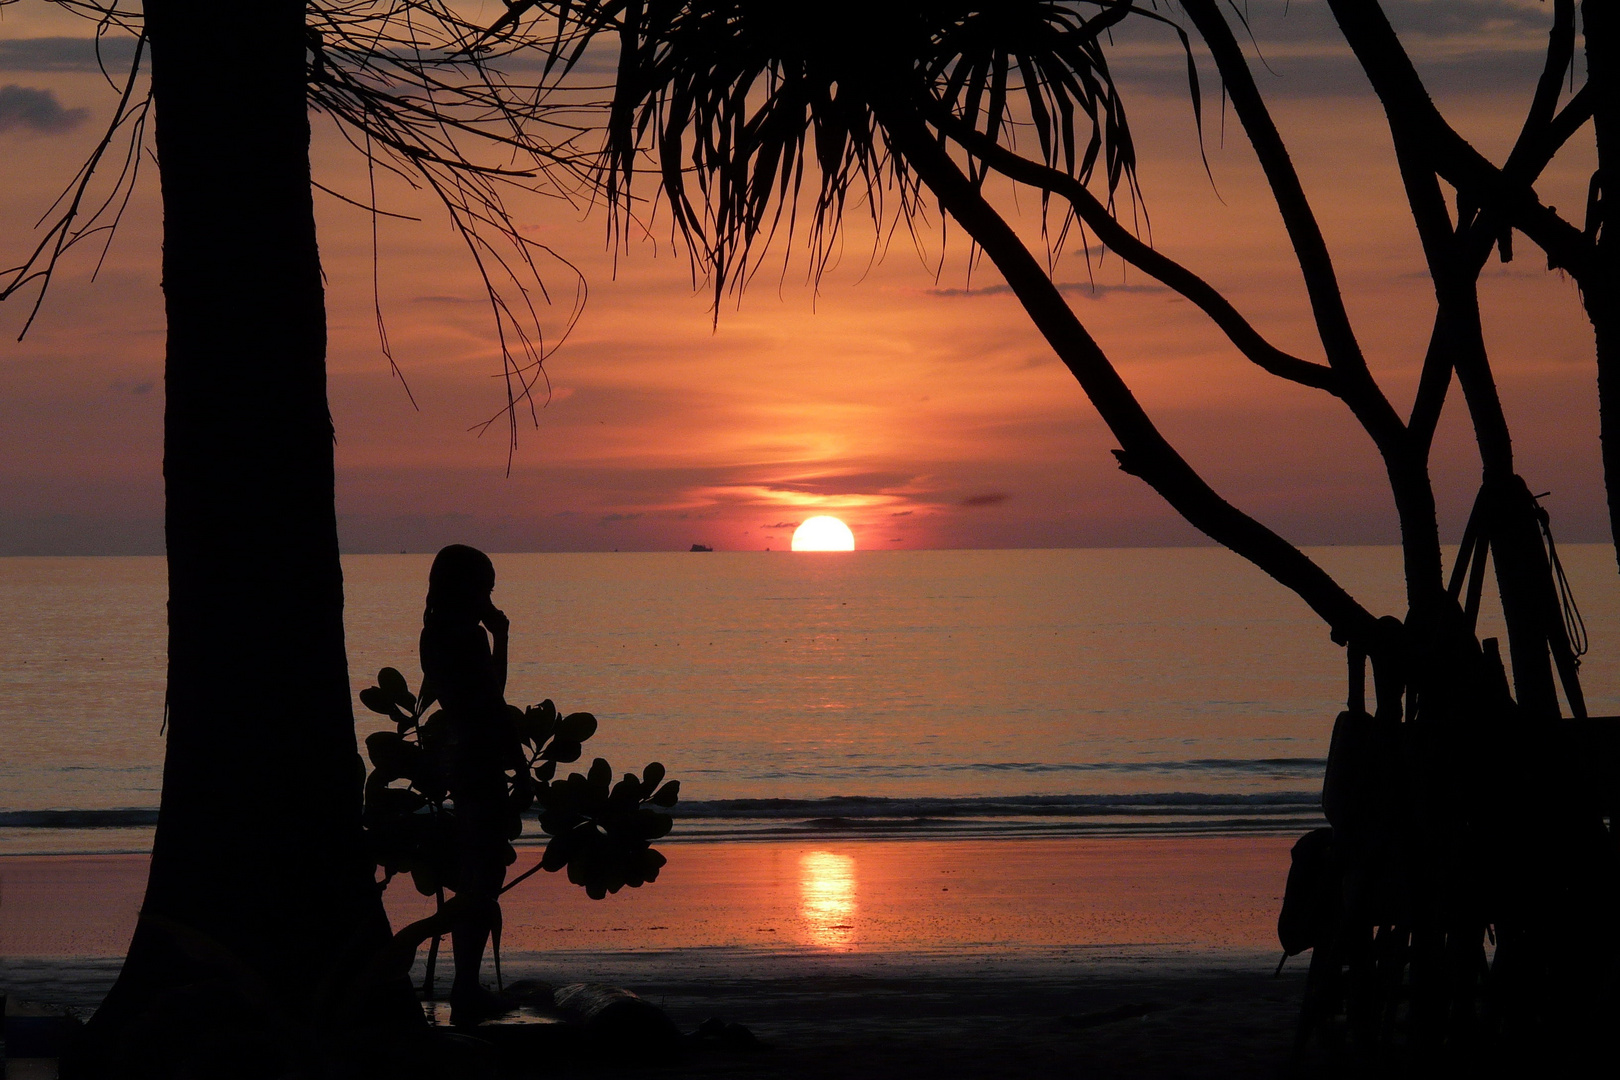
{"x":260,"y":885}
{"x":737,"y":102}
{"x":1503,"y":199}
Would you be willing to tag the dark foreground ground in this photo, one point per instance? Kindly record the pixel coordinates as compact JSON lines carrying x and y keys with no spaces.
{"x":1073,"y":958}
{"x":1141,"y":1018}
{"x":1205,"y":1024}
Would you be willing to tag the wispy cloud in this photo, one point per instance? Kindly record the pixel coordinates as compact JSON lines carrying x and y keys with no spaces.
{"x":23,"y":108}
{"x":1081,"y":288}
{"x":65,"y":54}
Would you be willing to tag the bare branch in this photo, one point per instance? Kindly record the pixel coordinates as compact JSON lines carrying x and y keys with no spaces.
{"x":406,"y":89}
{"x":1357,"y":387}
{"x":1398,"y":86}
{"x":1138,"y":253}
{"x":67,"y":229}
{"x":1144,"y":451}
{"x":1543,"y":133}
{"x":371,"y":207}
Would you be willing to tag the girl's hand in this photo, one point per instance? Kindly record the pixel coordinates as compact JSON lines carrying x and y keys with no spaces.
{"x":495,"y":619}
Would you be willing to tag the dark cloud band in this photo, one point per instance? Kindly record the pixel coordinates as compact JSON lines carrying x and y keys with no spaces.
{"x":66,"y":54}
{"x":23,"y":108}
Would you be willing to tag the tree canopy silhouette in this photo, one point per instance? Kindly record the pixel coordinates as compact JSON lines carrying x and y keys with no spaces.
{"x":749,"y":113}
{"x":261,"y":885}
{"x":889,"y":106}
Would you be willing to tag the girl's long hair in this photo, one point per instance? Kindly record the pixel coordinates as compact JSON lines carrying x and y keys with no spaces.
{"x":459,"y":572}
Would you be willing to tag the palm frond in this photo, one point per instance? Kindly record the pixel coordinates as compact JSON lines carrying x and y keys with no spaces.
{"x":421,"y":92}
{"x":735,"y":103}
{"x":427,"y":94}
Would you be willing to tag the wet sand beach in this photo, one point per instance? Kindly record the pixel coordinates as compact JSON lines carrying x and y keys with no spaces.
{"x":960,"y":897}
{"x":1096,"y":957}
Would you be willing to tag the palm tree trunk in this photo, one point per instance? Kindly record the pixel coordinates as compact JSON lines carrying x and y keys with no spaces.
{"x":1601,"y":289}
{"x":259,"y":856}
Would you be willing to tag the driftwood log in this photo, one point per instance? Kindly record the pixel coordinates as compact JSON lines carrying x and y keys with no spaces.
{"x":611,"y":1017}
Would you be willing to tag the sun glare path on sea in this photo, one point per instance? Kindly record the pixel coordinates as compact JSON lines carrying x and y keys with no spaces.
{"x":827,"y":898}
{"x":823,"y":533}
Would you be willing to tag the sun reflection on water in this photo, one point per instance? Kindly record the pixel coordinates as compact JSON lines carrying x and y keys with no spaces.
{"x":827,"y":898}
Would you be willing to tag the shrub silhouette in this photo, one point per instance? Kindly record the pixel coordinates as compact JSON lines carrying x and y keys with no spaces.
{"x":601,"y":832}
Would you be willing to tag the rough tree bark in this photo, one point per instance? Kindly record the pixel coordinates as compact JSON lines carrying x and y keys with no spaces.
{"x":1601,"y":288}
{"x":258,"y":876}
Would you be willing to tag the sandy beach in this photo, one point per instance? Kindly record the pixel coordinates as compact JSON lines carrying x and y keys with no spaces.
{"x":1094,"y":957}
{"x":962,"y":897}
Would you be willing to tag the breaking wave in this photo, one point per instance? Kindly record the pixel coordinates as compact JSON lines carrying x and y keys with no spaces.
{"x":1141,"y":814}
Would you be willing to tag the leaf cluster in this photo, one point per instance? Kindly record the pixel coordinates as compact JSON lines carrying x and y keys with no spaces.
{"x":601,"y":832}
{"x":735,"y":99}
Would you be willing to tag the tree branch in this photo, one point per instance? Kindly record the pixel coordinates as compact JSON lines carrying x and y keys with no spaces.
{"x":1550,"y":87}
{"x":1145,"y":453}
{"x":1128,"y":246}
{"x":1396,"y":82}
{"x":1543,"y":133}
{"x":1433,"y":383}
{"x":1456,"y":281}
{"x":65,"y":231}
{"x":1357,"y":387}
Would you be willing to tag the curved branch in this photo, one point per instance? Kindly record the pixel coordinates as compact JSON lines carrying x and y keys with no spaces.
{"x":1456,"y":286}
{"x":1560,"y":129}
{"x":1396,"y":82}
{"x":1358,"y":388}
{"x":1434,"y":381}
{"x":1543,"y":134}
{"x":1560,"y":51}
{"x":62,"y":235}
{"x":1138,"y":253}
{"x":1145,"y":453}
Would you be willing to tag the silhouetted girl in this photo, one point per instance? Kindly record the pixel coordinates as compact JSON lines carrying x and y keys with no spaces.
{"x":468,"y":676}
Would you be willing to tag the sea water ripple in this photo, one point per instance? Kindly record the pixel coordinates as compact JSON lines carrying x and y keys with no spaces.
{"x":936,"y":693}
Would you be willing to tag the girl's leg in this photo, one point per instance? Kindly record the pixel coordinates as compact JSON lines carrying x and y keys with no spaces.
{"x":469,"y":934}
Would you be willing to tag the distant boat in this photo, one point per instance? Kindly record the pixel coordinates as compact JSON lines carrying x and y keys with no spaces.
{"x":701,"y":547}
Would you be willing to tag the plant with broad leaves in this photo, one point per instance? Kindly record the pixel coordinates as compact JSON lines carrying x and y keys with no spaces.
{"x":601,"y":832}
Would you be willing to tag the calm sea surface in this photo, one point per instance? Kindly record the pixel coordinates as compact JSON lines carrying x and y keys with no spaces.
{"x":882,"y":693}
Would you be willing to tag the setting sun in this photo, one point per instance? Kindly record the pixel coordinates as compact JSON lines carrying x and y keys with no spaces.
{"x":823,"y":533}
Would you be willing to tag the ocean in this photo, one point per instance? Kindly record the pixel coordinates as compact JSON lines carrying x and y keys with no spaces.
{"x":872,"y":694}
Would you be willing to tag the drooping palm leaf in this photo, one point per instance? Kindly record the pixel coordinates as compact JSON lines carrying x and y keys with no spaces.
{"x":405,"y":85}
{"x":735,"y":101}
{"x":406,"y":88}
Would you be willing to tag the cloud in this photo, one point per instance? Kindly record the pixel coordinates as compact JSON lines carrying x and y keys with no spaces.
{"x":1297,"y":50}
{"x":782,"y":525}
{"x":1082,"y":288}
{"x":66,"y":54}
{"x":853,"y":483}
{"x":993,"y":498}
{"x":901,"y":513}
{"x":600,"y":58}
{"x":24,"y":108}
{"x":1308,"y":28}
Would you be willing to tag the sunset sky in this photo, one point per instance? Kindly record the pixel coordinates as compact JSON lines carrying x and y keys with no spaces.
{"x":913,"y":401}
